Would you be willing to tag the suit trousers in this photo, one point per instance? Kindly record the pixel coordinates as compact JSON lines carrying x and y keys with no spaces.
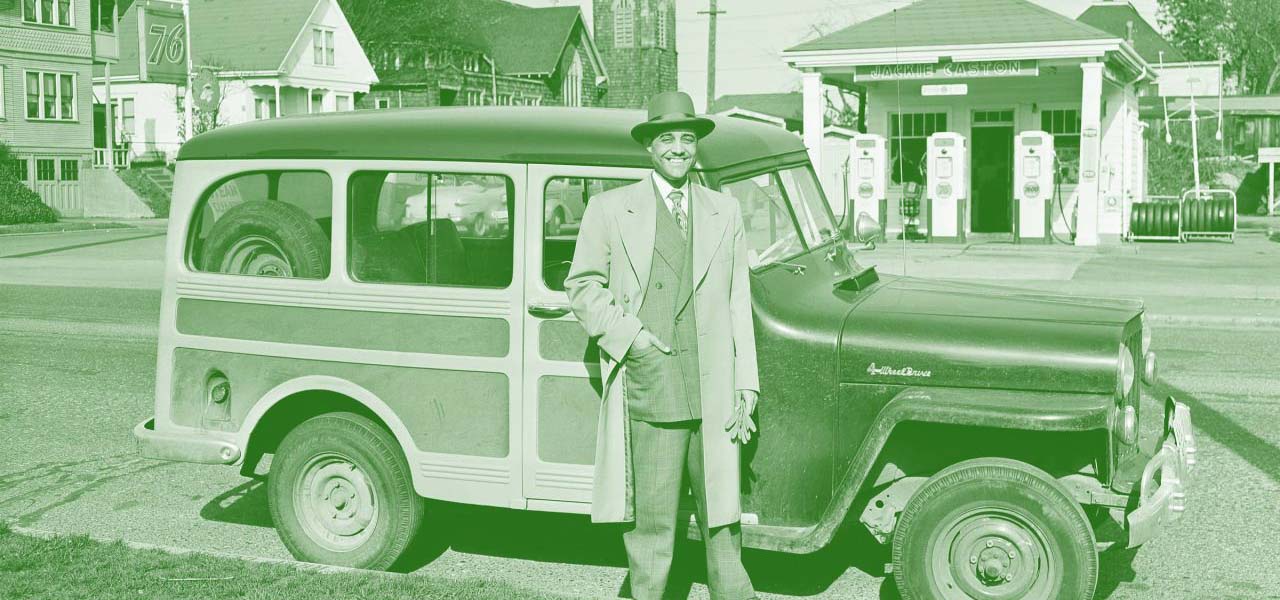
{"x":660,"y":454}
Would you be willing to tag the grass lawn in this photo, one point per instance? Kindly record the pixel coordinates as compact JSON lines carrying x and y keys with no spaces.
{"x":78,"y":567}
{"x":62,"y":226}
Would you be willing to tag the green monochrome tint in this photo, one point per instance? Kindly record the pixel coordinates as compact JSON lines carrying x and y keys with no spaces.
{"x":378,"y":297}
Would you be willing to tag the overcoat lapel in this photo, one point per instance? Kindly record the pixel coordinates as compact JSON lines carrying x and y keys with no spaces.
{"x":638,"y":225}
{"x":708,"y":232}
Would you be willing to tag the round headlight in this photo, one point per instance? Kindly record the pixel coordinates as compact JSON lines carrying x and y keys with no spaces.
{"x":1126,"y":375}
{"x":1146,"y":336}
{"x":1149,"y":368}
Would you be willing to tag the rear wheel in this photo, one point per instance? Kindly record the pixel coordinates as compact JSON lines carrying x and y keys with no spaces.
{"x":995,"y":529}
{"x":341,"y":493}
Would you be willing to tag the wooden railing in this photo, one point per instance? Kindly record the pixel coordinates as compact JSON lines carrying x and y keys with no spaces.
{"x":121,"y":158}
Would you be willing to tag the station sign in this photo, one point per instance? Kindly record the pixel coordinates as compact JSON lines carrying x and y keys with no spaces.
{"x":948,"y":70}
{"x":162,"y":42}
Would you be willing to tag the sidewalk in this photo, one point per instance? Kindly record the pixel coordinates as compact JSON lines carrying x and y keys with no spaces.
{"x":1197,"y":283}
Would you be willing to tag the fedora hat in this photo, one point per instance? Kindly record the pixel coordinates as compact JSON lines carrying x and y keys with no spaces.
{"x":671,"y":110}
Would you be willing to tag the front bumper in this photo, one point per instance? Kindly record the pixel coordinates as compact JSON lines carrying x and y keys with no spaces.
{"x":183,"y":446}
{"x":1161,"y":494}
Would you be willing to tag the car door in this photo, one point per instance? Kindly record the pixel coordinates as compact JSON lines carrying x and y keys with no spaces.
{"x":562,"y":375}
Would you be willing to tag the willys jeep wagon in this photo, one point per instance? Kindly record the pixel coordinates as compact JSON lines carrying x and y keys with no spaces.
{"x":376,"y":300}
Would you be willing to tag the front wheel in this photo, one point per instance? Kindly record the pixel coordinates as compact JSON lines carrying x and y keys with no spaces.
{"x":995,"y":529}
{"x":341,"y":493}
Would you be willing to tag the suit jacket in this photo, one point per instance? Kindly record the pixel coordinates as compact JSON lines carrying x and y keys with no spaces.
{"x":606,"y":287}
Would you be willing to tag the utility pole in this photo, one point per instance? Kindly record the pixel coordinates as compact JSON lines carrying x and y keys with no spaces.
{"x":711,"y":52}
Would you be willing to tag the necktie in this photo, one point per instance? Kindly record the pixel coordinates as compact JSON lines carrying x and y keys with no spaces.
{"x":677,"y":211}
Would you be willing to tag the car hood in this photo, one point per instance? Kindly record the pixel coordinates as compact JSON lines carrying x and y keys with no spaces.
{"x":936,"y":333}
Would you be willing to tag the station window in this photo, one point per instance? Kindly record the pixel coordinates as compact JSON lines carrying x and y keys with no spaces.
{"x":265,"y":224}
{"x":431,"y":228}
{"x":45,"y":169}
{"x":566,"y":200}
{"x":1065,"y":126}
{"x":908,"y":139}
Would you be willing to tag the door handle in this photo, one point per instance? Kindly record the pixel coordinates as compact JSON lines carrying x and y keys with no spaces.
{"x":548,"y":311}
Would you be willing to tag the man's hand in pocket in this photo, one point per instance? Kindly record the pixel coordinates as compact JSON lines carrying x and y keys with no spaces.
{"x":645,"y":340}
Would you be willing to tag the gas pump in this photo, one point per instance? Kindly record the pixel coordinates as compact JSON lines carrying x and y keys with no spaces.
{"x":1033,"y":187}
{"x":946,"y":185}
{"x":870,"y":176}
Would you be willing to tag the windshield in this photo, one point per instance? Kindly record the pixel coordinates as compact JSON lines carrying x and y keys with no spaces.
{"x":783,"y":214}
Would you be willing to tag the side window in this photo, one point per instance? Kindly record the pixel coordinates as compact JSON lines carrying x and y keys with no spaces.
{"x":266,"y":224}
{"x":767,"y":223}
{"x":566,"y":200}
{"x":431,"y":228}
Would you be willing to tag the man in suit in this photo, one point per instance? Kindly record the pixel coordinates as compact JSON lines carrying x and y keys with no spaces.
{"x":659,"y":279}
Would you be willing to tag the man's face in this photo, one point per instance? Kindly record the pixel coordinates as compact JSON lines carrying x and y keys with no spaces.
{"x":673,"y":153}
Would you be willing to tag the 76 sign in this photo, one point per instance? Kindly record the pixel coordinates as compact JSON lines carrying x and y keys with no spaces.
{"x":163,"y":54}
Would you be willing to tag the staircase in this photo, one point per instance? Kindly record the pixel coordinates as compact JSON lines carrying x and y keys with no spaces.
{"x":160,"y":176}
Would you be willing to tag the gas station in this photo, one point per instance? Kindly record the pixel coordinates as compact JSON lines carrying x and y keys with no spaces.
{"x":1007,"y":121}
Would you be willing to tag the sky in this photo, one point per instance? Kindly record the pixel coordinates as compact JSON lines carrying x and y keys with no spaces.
{"x":753,"y":33}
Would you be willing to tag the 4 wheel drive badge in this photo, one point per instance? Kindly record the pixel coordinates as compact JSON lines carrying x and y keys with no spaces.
{"x":872,"y":369}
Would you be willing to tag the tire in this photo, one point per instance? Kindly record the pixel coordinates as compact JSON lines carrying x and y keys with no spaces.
{"x":480,"y":226}
{"x":955,"y":537}
{"x":267,"y":238}
{"x":341,"y":493}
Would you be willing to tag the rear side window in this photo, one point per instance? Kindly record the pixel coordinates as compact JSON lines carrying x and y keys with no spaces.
{"x":265,"y":224}
{"x":421,"y":228}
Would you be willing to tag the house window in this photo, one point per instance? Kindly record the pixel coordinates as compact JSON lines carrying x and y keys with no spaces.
{"x":20,"y":169}
{"x":663,"y":14}
{"x":382,"y":103}
{"x":322,"y":47}
{"x":51,"y":95}
{"x":264,"y":108}
{"x":1065,"y":126}
{"x":908,"y":135}
{"x":123,"y":114}
{"x":48,"y":12}
{"x":475,"y":98}
{"x":504,"y":100}
{"x":471,"y":62}
{"x":624,"y":31}
{"x":572,"y":87}
{"x":70,"y":170}
{"x":45,"y":169}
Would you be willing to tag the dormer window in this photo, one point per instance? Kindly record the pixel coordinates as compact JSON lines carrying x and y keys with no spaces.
{"x":471,"y":62}
{"x":322,"y":46}
{"x":624,"y":30}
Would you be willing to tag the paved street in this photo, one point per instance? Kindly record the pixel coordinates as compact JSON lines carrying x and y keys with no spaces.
{"x":76,"y":373}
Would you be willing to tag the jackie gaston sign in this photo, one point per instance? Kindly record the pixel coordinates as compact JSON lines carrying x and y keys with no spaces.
{"x":985,"y":68}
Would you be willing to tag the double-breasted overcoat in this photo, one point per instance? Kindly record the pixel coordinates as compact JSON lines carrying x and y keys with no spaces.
{"x":606,"y":286}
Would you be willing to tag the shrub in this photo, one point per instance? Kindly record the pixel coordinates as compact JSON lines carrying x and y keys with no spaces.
{"x":18,"y":204}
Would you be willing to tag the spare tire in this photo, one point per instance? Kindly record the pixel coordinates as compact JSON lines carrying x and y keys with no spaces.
{"x":267,"y":238}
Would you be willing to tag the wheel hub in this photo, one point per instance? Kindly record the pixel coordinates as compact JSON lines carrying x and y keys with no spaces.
{"x":256,"y":255}
{"x":995,"y":555}
{"x":336,"y":503}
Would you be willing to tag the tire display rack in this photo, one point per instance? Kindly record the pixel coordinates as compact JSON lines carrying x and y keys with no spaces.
{"x":1196,"y":215}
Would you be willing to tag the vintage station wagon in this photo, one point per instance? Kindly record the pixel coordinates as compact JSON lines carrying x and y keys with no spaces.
{"x":326,"y":303}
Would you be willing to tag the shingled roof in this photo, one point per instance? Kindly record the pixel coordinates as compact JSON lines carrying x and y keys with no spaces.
{"x":958,"y":23}
{"x":530,"y":41}
{"x":223,"y":34}
{"x":1114,"y":17}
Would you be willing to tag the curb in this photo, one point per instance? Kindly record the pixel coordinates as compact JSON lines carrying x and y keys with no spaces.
{"x":174,"y":550}
{"x":1241,"y":322}
{"x":125,"y":228}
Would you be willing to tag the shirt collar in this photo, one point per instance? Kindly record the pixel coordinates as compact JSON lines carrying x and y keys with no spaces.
{"x":664,"y":189}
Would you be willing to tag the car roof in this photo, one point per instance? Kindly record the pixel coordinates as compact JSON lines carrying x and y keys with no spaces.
{"x":547,"y":135}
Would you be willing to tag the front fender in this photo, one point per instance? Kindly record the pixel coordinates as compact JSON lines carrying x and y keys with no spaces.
{"x":1013,"y":410}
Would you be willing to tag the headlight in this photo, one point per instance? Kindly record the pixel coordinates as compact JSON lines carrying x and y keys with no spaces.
{"x":1129,"y":425}
{"x":1149,"y":368}
{"x":1146,"y":335}
{"x":1126,"y":373}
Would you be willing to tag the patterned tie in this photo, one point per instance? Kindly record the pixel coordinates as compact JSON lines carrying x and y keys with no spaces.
{"x":677,"y":211}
